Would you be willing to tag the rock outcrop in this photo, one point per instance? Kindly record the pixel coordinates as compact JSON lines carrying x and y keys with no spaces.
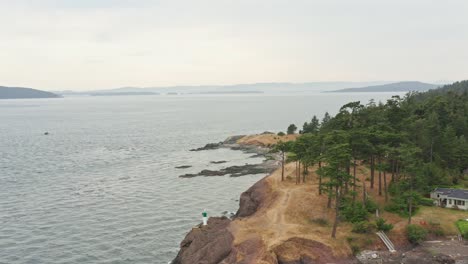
{"x":267,"y":166}
{"x":209,"y":244}
{"x":252,"y":199}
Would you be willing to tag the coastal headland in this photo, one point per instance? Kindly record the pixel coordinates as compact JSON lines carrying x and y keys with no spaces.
{"x":282,"y":222}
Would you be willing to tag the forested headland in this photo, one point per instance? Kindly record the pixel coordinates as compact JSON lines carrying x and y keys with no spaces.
{"x":411,"y":145}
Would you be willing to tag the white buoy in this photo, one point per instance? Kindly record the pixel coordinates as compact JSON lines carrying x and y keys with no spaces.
{"x":205,"y":217}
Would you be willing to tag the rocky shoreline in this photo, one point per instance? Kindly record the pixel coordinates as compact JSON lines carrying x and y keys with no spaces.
{"x":216,"y":242}
{"x":269,"y":165}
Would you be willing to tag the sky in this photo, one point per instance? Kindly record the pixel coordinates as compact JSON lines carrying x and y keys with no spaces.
{"x":103,"y":44}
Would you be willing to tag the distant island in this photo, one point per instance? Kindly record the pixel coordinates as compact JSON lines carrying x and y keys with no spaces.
{"x":231,"y":92}
{"x":392,"y":87}
{"x":24,"y":93}
{"x":123,"y":93}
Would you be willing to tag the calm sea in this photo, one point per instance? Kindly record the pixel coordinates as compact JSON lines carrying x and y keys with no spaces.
{"x":102,"y":187}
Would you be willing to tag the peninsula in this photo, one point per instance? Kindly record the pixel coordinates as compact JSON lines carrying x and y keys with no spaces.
{"x":392,"y":87}
{"x":338,"y":183}
{"x":23,"y":93}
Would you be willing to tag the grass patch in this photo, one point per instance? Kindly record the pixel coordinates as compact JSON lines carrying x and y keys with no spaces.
{"x":463,"y":227}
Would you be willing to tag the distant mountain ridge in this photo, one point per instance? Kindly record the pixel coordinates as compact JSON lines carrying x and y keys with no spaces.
{"x":278,"y":87}
{"x":393,"y":87}
{"x":24,"y":93}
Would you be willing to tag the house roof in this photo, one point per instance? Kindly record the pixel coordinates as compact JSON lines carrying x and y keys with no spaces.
{"x":453,"y":193}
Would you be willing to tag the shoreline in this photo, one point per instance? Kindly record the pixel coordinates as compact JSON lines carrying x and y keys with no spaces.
{"x":260,"y":232}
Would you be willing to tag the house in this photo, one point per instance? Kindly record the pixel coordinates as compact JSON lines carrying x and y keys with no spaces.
{"x":450,"y":198}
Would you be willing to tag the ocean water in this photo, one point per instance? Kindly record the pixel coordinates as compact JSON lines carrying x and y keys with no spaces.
{"x":102,"y":187}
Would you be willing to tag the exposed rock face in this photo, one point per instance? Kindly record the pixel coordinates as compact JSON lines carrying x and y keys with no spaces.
{"x":251,"y":199}
{"x":209,"y":244}
{"x":209,"y":146}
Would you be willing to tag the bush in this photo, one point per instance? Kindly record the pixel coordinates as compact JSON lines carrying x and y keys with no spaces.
{"x":426,"y":202}
{"x":355,"y":249}
{"x":281,"y":134}
{"x":371,"y":206}
{"x":463,"y":227}
{"x":399,"y":205}
{"x":354,"y":213}
{"x":415,"y":233}
{"x":465,"y":235}
{"x":382,"y":225}
{"x":363,"y":227}
{"x":291,"y":129}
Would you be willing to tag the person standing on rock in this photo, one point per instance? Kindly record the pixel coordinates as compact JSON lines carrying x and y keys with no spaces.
{"x":205,"y":217}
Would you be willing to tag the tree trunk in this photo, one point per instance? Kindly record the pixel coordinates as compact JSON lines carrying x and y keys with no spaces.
{"x":337,"y":212}
{"x":385,"y":185}
{"x":397,"y":170}
{"x":410,"y":209}
{"x":330,"y":193}
{"x":320,"y":180}
{"x":372,"y":172}
{"x":282,"y":167}
{"x":380,"y":176}
{"x":354,"y":181}
{"x":304,"y":173}
{"x":299,"y":173}
{"x":410,"y":200}
{"x":348,"y":171}
{"x":393,"y":170}
{"x":364,"y":198}
{"x":296,"y":172}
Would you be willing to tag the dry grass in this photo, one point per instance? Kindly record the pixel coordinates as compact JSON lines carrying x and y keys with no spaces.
{"x":266,"y":139}
{"x":297,"y":210}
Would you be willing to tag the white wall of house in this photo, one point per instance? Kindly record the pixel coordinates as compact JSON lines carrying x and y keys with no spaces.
{"x":450,"y":201}
{"x":460,"y":203}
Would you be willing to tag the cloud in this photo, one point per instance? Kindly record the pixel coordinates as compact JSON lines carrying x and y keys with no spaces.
{"x":103,"y":43}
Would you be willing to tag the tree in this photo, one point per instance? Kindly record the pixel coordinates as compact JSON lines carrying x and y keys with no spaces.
{"x":312,"y":127}
{"x":282,"y":147}
{"x":291,"y":129}
{"x":337,"y":158}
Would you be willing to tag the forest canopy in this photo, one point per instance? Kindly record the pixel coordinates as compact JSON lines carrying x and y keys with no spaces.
{"x":418,"y":141}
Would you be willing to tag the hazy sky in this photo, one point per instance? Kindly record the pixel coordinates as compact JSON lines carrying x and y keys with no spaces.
{"x":97,"y":44}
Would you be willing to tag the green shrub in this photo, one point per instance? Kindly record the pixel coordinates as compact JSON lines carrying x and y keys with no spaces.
{"x":415,"y":233}
{"x":463,"y":227}
{"x":354,"y":213}
{"x":426,"y":202}
{"x":465,"y":235}
{"x":382,"y":225}
{"x":355,"y":249}
{"x":281,"y":134}
{"x":371,"y":206}
{"x":399,"y":205}
{"x":363,"y":227}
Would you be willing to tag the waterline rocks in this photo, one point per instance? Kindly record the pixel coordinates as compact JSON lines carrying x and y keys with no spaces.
{"x":209,"y":146}
{"x":183,"y":167}
{"x":209,"y":244}
{"x":218,"y":162}
{"x":266,"y":167}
